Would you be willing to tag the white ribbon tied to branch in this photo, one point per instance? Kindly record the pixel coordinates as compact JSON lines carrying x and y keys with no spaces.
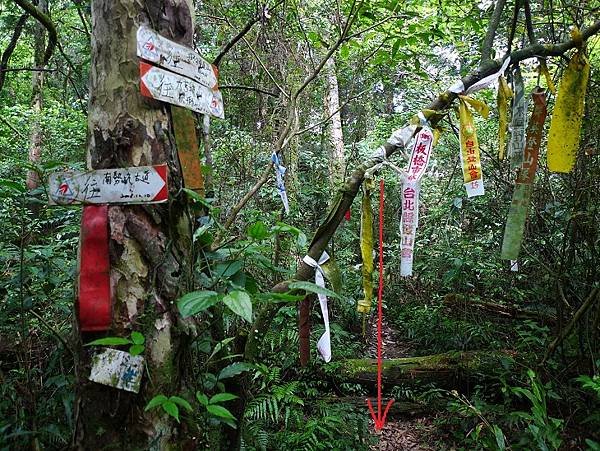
{"x":279,"y":173}
{"x":459,"y":87}
{"x":324,"y":343}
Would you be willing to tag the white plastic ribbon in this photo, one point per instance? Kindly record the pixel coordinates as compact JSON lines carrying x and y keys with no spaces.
{"x":279,"y":173}
{"x":459,"y":87}
{"x":324,"y":343}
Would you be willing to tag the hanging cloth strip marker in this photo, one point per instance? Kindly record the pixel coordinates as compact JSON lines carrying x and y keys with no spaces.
{"x":517,"y":215}
{"x":565,"y":125}
{"x":504,"y":95}
{"x":518,"y":122}
{"x":366,"y":247}
{"x":459,"y":87}
{"x":279,"y":173}
{"x":411,"y":188}
{"x":324,"y":343}
{"x":469,"y":155}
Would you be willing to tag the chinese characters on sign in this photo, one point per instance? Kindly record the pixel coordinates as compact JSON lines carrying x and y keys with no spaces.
{"x":179,"y":59}
{"x":177,"y":90}
{"x":135,"y":185}
{"x":469,"y":155}
{"x":517,"y":215}
{"x":409,"y":221}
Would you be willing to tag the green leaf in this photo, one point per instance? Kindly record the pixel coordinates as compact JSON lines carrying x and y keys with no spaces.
{"x":12,"y":185}
{"x":279,"y":297}
{"x":220,"y":411}
{"x":171,"y":408}
{"x":195,"y":196}
{"x":109,"y":341}
{"x":158,"y":400}
{"x":282,"y":227}
{"x":137,"y":338}
{"x":182,"y":402}
{"x":239,"y":302}
{"x":222,"y":397}
{"x":220,"y":346}
{"x":234,"y":369}
{"x":313,"y":288}
{"x":499,"y":438}
{"x":258,"y":231}
{"x":196,"y":302}
{"x":202,"y":398}
{"x":136,"y":349}
{"x":227,"y":269}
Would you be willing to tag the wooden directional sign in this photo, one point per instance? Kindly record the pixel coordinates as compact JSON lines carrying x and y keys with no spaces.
{"x":168,"y":54}
{"x":162,"y":85}
{"x":135,"y":185}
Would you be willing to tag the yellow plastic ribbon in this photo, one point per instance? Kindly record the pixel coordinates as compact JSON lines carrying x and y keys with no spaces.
{"x":546,"y":73}
{"x":366,"y":247}
{"x":470,"y":158}
{"x":504,"y":95}
{"x":565,"y":126}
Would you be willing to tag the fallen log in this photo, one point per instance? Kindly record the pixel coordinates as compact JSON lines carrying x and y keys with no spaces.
{"x":398,"y":408}
{"x":447,"y":369}
{"x":504,"y":311}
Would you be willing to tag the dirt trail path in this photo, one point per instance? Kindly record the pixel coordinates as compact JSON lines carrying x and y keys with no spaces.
{"x":399,"y":434}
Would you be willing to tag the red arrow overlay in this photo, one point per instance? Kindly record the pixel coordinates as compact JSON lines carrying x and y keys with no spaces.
{"x":379,"y":418}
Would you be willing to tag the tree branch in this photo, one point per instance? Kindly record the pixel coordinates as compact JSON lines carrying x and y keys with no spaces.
{"x":10,"y":48}
{"x":488,"y":41}
{"x":46,"y":22}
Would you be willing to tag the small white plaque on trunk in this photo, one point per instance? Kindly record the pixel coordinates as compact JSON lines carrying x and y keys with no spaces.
{"x":118,"y":369}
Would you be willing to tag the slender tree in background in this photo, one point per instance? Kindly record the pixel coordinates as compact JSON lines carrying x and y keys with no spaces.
{"x":337,"y":159}
{"x":37,"y":97}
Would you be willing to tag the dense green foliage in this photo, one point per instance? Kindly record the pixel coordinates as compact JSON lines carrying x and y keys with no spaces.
{"x":400,"y":56}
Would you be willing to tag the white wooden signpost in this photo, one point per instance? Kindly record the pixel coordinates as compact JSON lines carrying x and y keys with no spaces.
{"x":163,"y":85}
{"x":135,"y":185}
{"x":184,"y":78}
{"x":175,"y":57}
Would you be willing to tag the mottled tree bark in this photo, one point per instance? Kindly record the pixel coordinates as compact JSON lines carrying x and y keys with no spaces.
{"x":150,"y":246}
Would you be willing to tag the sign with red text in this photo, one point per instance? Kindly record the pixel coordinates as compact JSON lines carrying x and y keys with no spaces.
{"x":135,"y":185}
{"x":177,"y":90}
{"x":175,"y":57}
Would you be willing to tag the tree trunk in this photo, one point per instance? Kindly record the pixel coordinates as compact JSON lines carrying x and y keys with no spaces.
{"x":150,"y":246}
{"x":448,"y":369}
{"x":337,"y":159}
{"x":37,"y":96}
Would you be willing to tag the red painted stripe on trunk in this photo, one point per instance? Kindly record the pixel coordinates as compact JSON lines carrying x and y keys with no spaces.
{"x":94,"y":306}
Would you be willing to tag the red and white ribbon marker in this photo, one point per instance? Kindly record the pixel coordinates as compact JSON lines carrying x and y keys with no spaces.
{"x":178,"y":90}
{"x":94,"y":302}
{"x":411,"y":187}
{"x":135,"y":185}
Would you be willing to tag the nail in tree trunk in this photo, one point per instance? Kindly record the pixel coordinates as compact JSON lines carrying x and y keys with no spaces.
{"x":150,"y":246}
